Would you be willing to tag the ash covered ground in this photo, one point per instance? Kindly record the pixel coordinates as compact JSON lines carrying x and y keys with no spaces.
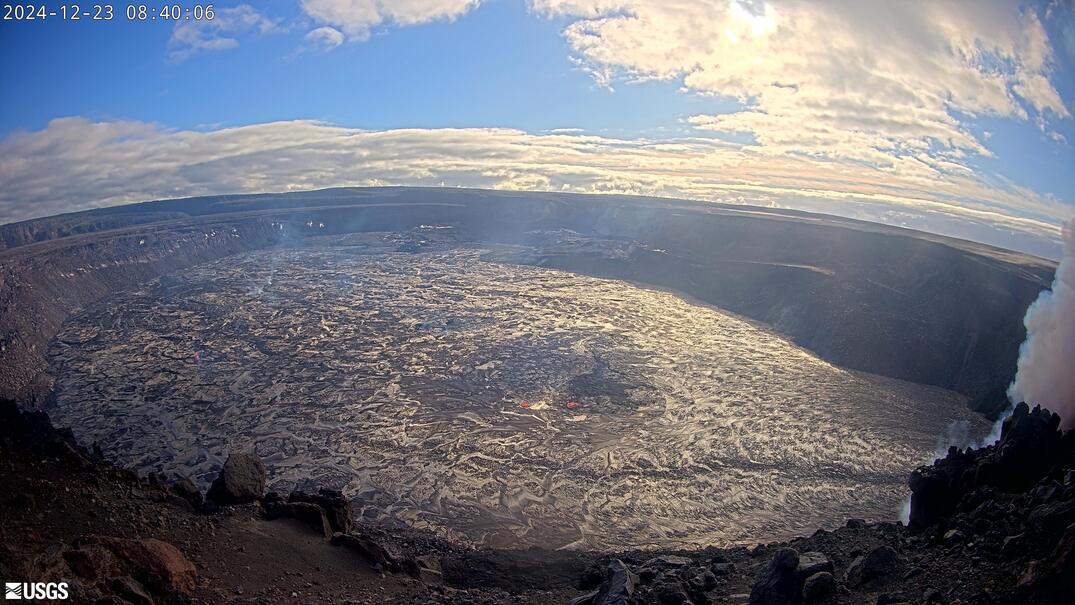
{"x":491,"y":402}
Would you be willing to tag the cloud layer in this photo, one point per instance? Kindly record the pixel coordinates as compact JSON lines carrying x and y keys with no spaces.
{"x":891,"y":84}
{"x":865,"y":109}
{"x":76,"y":164}
{"x":192,"y":37}
{"x":356,"y":17}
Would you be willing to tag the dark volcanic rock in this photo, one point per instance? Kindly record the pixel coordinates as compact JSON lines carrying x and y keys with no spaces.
{"x":617,"y":589}
{"x":879,"y":562}
{"x":811,"y":563}
{"x":307,"y":512}
{"x":336,"y":506}
{"x":892,"y":598}
{"x":1030,"y":446}
{"x":1052,"y":579}
{"x":131,"y":591}
{"x":384,"y":553}
{"x":935,"y":489}
{"x":34,"y":430}
{"x":592,"y":577}
{"x":776,"y":583}
{"x":619,"y":585}
{"x":241,"y":480}
{"x":723,"y":568}
{"x":670,"y":592}
{"x":187,"y":490}
{"x":703,"y":582}
{"x":819,"y":588}
{"x":328,"y":511}
{"x":425,"y":568}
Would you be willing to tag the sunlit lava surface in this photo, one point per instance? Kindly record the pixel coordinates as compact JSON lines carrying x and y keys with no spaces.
{"x":496,"y":404}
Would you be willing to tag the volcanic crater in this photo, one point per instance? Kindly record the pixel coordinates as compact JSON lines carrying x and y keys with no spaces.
{"x":515,"y":370}
{"x":494,"y":403}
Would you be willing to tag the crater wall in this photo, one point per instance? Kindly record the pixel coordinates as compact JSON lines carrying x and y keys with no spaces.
{"x":894,"y":302}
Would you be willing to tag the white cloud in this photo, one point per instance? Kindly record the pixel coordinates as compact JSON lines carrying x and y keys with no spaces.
{"x":323,"y":38}
{"x":192,"y":37}
{"x":356,"y":17}
{"x":74,"y":164}
{"x":887,"y":84}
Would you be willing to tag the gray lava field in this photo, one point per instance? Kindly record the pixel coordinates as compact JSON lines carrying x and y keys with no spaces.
{"x":511,"y":369}
{"x":494,"y":403}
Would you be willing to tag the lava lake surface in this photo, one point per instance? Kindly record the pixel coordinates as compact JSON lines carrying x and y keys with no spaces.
{"x":497,"y":404}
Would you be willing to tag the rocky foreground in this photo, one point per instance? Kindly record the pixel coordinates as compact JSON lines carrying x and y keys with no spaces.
{"x":989,"y":525}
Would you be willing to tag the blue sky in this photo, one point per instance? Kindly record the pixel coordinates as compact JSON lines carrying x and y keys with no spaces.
{"x":498,"y":66}
{"x":920,"y":114}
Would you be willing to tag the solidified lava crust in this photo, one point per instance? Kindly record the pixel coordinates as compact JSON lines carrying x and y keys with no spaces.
{"x":179,"y":320}
{"x":494,"y":403}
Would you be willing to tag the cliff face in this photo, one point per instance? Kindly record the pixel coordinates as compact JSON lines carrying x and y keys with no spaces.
{"x":41,"y":285}
{"x":45,"y":229}
{"x":881,"y":302}
{"x":888,"y":301}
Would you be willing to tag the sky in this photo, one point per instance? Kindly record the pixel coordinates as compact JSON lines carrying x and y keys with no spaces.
{"x":955,"y":117}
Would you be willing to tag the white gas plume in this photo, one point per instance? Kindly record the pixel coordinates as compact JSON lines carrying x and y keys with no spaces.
{"x":1046,"y":370}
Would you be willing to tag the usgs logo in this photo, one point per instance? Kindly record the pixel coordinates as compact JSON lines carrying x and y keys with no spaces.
{"x":53,"y":591}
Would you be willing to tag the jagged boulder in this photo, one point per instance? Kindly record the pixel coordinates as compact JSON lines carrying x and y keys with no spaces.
{"x":307,"y":512}
{"x":667,"y":561}
{"x":617,"y":589}
{"x":337,"y":507}
{"x":722,"y":568}
{"x":671,"y":592}
{"x":188,"y":491}
{"x":881,"y":561}
{"x":384,"y":553}
{"x":819,"y":589}
{"x":33,"y":430}
{"x":777,"y":583}
{"x":936,"y":490}
{"x":811,"y":563}
{"x":1030,"y":446}
{"x":703,"y":581}
{"x":425,"y":568}
{"x":131,"y":591}
{"x":1050,"y":518}
{"x":241,"y":480}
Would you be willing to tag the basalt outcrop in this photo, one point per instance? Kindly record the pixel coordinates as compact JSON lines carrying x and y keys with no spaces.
{"x":1030,"y":448}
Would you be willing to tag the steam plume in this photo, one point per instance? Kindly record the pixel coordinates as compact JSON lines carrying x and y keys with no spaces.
{"x":1046,"y":370}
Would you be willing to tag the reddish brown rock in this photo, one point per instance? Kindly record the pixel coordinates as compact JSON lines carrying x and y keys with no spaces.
{"x":158,"y":564}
